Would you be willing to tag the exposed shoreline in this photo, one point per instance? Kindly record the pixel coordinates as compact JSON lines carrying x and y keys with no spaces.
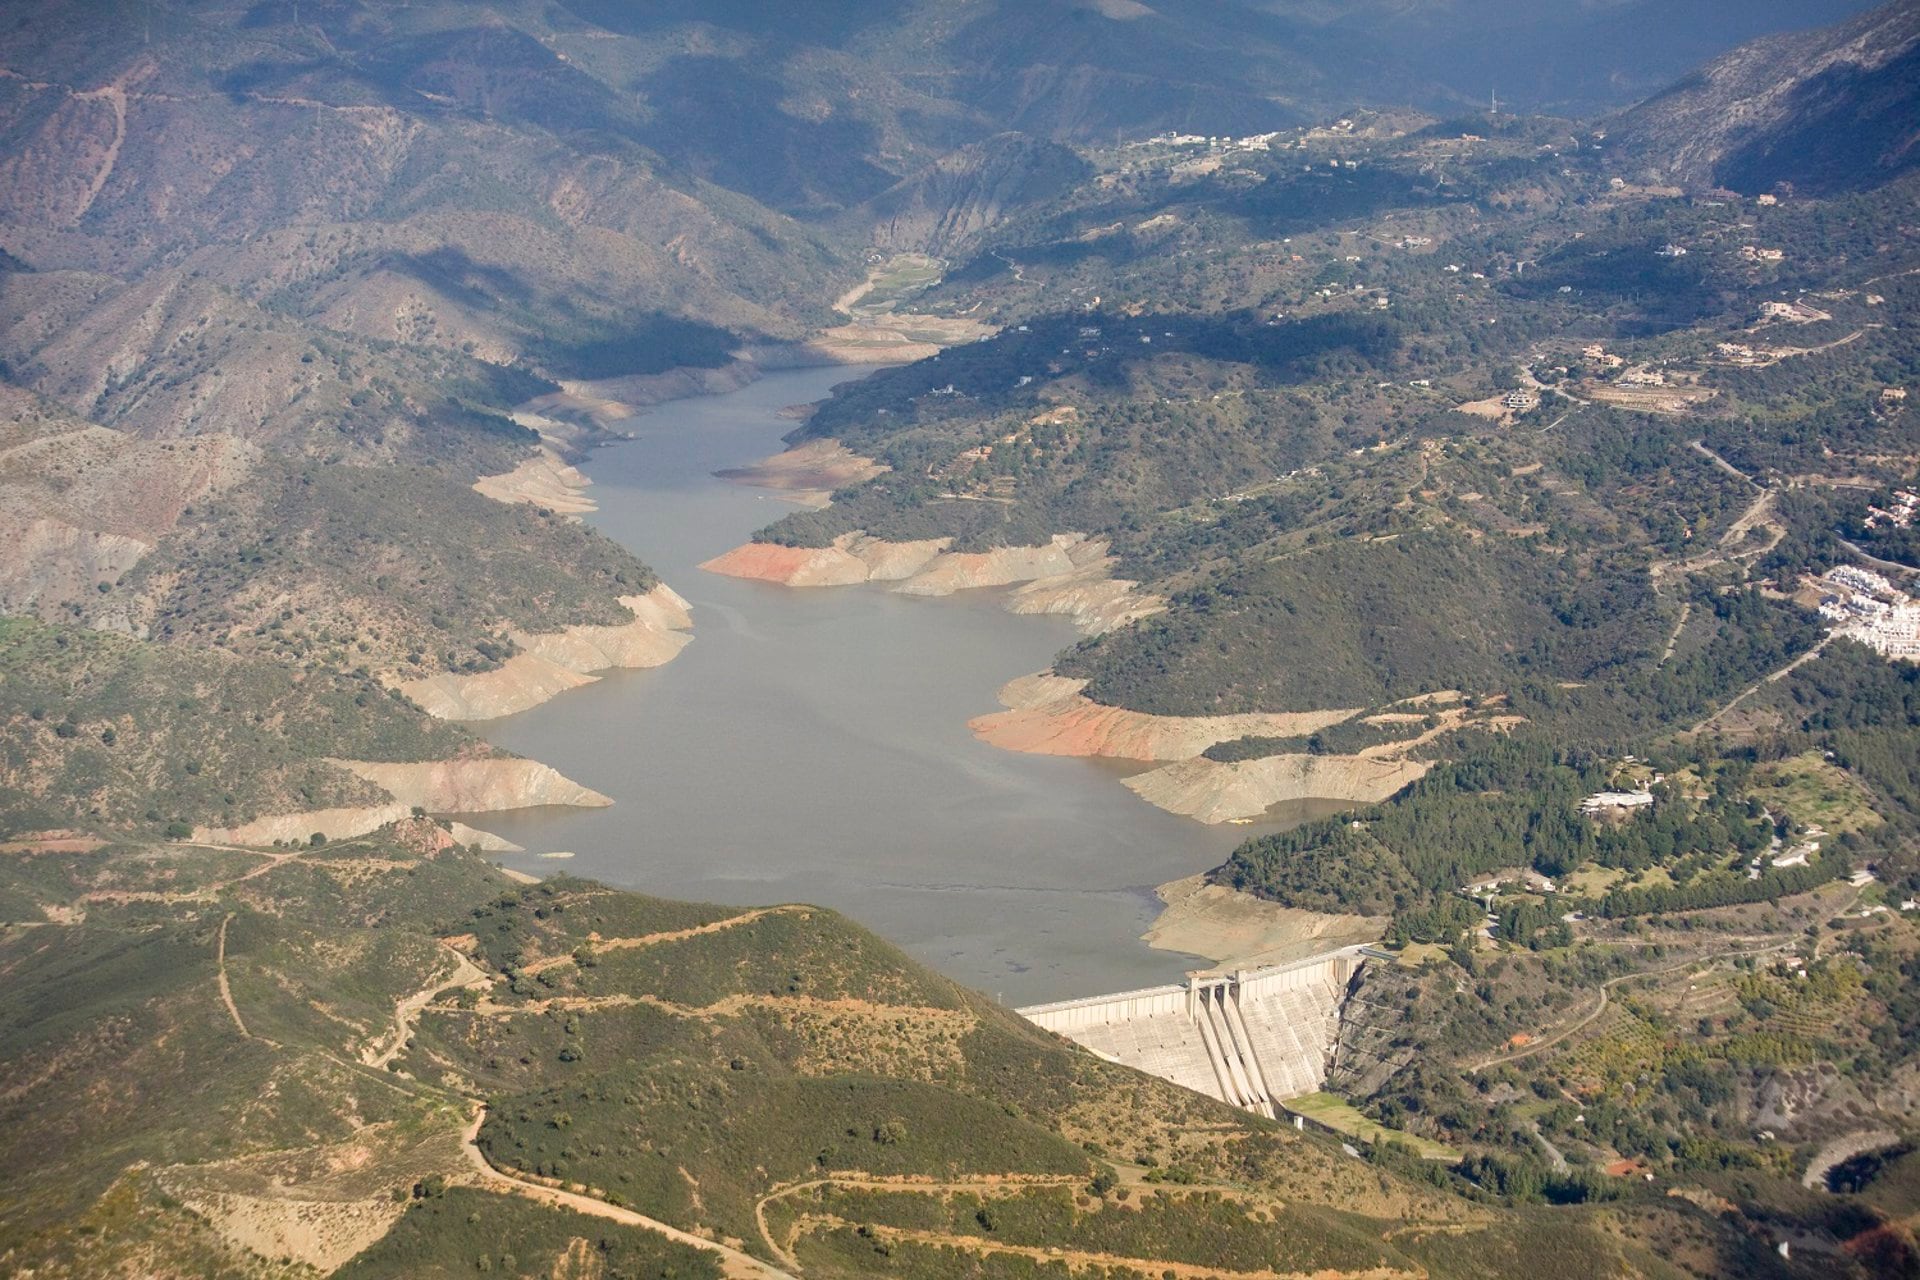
{"x":1214,"y":792}
{"x":481,"y":784}
{"x":1070,"y":576}
{"x":570,"y":422}
{"x":1048,"y":714}
{"x":807,"y":473}
{"x":551,"y":662}
{"x":1236,"y":930}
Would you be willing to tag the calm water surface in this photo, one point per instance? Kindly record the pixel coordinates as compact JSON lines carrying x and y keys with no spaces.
{"x":811,"y":745}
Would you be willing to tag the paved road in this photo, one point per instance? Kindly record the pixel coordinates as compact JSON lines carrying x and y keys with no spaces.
{"x":1892,"y":565}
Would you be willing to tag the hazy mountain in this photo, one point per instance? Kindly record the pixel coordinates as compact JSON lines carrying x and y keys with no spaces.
{"x":1569,"y":56}
{"x":969,"y":191}
{"x":1828,"y":110}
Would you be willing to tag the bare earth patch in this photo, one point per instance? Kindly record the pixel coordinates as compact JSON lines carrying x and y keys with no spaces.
{"x":1239,"y":931}
{"x":1049,"y":715}
{"x":807,"y":473}
{"x":319,"y":1205}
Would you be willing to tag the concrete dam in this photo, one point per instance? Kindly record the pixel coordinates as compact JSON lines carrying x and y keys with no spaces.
{"x":1255,"y":1037}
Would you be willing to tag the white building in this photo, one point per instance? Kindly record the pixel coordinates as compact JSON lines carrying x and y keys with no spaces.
{"x":1859,"y":579}
{"x":1601,"y":801}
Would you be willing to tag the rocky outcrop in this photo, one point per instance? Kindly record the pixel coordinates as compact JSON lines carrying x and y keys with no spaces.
{"x":80,"y":505}
{"x":1834,"y":109}
{"x":45,"y":563}
{"x":1215,"y":792}
{"x":1049,"y":715}
{"x":551,"y":662}
{"x":1238,"y":930}
{"x":480,"y":785}
{"x":544,"y":480}
{"x":968,"y":190}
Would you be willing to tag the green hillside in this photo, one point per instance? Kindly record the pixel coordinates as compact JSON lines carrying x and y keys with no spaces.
{"x":710,"y":1069}
{"x":103,"y":732}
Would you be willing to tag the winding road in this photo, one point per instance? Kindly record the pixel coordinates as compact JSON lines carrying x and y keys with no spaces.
{"x":407,"y":1010}
{"x":734,"y":1264}
{"x":1893,"y":566}
{"x":1606,"y":994}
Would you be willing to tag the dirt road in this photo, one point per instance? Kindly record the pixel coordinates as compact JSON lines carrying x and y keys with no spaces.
{"x":735,"y":1264}
{"x":465,"y":974}
{"x":1606,"y":990}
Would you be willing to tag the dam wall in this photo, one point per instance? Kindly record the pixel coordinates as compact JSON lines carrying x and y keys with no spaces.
{"x":1254,"y":1037}
{"x":1068,"y":1016}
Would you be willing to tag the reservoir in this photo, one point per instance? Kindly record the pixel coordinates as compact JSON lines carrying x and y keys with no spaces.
{"x":811,"y":745}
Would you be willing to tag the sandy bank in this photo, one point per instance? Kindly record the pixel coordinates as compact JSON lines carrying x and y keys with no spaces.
{"x":475,"y":786}
{"x":952,"y":571}
{"x":807,"y":473}
{"x":551,"y":662}
{"x":602,"y":404}
{"x":298,"y":828}
{"x":894,"y":338}
{"x":1069,"y":575}
{"x":572,"y":412}
{"x":1842,"y":1149}
{"x":1088,"y":597}
{"x":1243,"y":789}
{"x":438,"y":786}
{"x":487,"y":840}
{"x":1215,"y":792}
{"x":544,"y":480}
{"x":643,"y":389}
{"x":1238,"y":930}
{"x":852,"y":558}
{"x":1049,"y":715}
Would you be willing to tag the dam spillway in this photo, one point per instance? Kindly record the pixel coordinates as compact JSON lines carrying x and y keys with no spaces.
{"x":1254,"y":1037}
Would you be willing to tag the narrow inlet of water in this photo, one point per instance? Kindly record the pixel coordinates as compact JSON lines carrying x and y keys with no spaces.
{"x":811,"y":745}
